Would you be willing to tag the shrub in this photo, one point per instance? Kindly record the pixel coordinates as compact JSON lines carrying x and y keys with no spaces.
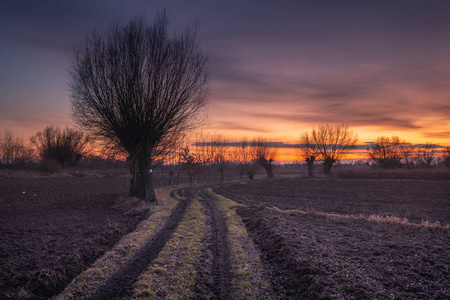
{"x":66,"y":147}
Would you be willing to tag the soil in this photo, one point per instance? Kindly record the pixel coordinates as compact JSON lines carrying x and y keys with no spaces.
{"x":320,"y":256}
{"x":53,"y":228}
{"x":214,"y":268}
{"x":416,"y":200}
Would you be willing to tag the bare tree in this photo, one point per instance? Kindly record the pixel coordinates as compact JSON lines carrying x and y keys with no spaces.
{"x":244,"y":160}
{"x":192,"y":163}
{"x":307,"y":152}
{"x":264,"y":154}
{"x":331,"y":143}
{"x":13,"y":150}
{"x":66,"y":147}
{"x":219,"y":153}
{"x":138,"y":88}
{"x":427,"y":154}
{"x":446,"y":157}
{"x":409,"y":154}
{"x":173,"y":163}
{"x":389,"y":153}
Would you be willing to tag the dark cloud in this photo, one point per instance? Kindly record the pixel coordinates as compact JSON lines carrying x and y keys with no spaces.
{"x":333,"y":116}
{"x":434,"y":135}
{"x":235,"y":126}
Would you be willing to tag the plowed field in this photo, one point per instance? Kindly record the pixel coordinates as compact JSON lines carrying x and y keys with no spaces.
{"x":349,"y":239}
{"x":53,"y":228}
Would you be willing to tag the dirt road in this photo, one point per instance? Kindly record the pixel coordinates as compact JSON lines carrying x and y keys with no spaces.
{"x":212,"y":265}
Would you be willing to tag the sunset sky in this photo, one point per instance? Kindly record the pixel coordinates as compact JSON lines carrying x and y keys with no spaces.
{"x":277,"y":68}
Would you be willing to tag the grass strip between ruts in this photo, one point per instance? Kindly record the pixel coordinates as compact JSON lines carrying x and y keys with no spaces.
{"x":173,"y":274}
{"x":126,"y":247}
{"x":249,"y":278}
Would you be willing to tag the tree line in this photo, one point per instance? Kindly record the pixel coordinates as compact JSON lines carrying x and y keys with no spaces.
{"x":64,"y":147}
{"x":394,"y":152}
{"x":201,"y":154}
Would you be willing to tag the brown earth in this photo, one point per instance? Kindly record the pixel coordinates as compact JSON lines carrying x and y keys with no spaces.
{"x":214,"y":274}
{"x":310,"y":246}
{"x":322,"y":256}
{"x":53,"y":228}
{"x":417,"y":200}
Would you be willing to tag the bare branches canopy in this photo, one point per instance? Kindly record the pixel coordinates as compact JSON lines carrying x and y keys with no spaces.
{"x":264,"y":153}
{"x":427,"y":154}
{"x":138,"y":87}
{"x":330,"y":143}
{"x":66,"y":147}
{"x":13,"y":151}
{"x":307,"y":152}
{"x":390,"y":152}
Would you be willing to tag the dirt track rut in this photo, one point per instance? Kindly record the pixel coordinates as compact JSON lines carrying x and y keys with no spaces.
{"x":119,"y":284}
{"x":214,"y":274}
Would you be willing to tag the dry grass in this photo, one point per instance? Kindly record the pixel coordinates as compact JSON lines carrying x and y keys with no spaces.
{"x":425,"y":174}
{"x":126,"y":247}
{"x":392,"y":220}
{"x":250,"y":280}
{"x":173,"y":274}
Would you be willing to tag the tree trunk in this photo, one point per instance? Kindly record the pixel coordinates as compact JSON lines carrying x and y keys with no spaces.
{"x":141,"y":185}
{"x":269,"y":170}
{"x":310,"y":163}
{"x":327,"y":164}
{"x":171,"y":177}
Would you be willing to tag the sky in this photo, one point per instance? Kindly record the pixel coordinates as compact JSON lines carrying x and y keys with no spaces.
{"x":277,"y":68}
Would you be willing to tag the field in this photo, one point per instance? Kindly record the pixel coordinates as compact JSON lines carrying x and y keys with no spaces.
{"x":293,"y":238}
{"x":53,"y":228}
{"x":349,"y":239}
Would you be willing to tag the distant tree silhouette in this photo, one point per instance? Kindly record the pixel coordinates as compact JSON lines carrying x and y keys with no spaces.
{"x":389,"y":152}
{"x":173,"y":163}
{"x":264,"y":154}
{"x":446,"y":157}
{"x":409,"y":155}
{"x":138,"y":88}
{"x":219,"y":153}
{"x":244,"y":160}
{"x":427,"y":154}
{"x":307,"y":152}
{"x":13,"y":151}
{"x":66,"y":147}
{"x":191,"y":162}
{"x":214,"y":152}
{"x":331,"y":143}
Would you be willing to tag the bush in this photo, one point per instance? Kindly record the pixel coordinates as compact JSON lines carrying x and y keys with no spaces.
{"x":65,"y":147}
